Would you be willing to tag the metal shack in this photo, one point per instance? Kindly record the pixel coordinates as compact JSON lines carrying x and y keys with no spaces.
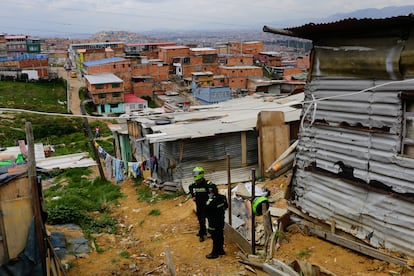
{"x":355,"y":158}
{"x":204,"y":135}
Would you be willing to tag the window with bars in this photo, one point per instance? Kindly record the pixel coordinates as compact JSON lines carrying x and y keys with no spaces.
{"x":407,"y":141}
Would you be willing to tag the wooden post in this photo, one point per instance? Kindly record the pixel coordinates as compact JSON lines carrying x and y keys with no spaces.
{"x":253,"y":215}
{"x":170,"y":262}
{"x":92,"y":142}
{"x":229,"y":187}
{"x":39,"y":227}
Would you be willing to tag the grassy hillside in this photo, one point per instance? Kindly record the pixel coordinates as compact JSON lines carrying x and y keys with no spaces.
{"x":66,"y":133}
{"x":40,"y":96}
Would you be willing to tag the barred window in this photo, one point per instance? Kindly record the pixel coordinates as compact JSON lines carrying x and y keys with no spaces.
{"x":407,"y":141}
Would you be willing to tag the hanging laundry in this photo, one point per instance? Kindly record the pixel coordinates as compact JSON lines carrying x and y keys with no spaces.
{"x":108,"y":165}
{"x":117,"y":166}
{"x":133,"y":169}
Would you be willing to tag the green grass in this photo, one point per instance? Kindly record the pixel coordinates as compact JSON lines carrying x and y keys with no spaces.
{"x":304,"y":253}
{"x":68,"y":134}
{"x":84,"y":202}
{"x":155,"y":212}
{"x":40,"y":96}
{"x":145,"y":194}
{"x":124,"y":254}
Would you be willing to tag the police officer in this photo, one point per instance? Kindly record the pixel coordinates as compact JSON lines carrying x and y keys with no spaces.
{"x":215,"y":208}
{"x":199,"y":192}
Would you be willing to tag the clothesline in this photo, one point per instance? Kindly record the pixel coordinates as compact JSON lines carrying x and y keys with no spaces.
{"x":117,"y":168}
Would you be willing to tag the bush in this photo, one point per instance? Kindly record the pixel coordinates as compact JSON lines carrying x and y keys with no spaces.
{"x":62,"y":214}
{"x":74,"y":202}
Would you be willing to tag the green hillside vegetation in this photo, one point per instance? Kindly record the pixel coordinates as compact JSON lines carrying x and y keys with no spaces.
{"x":82,"y":201}
{"x":46,"y":96}
{"x":66,"y":133}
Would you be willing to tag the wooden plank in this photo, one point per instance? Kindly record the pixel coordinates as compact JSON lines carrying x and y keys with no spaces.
{"x":273,"y":133}
{"x":243,"y":146}
{"x":359,"y":247}
{"x":17,"y":215}
{"x":18,"y":187}
{"x":4,"y":255}
{"x":235,"y":237}
{"x":170,"y":262}
{"x":345,"y":239}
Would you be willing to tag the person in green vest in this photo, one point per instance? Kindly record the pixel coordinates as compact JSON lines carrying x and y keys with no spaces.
{"x":215,"y":209}
{"x":199,"y":192}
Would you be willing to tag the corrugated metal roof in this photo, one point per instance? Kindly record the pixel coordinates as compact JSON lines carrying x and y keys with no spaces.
{"x":77,"y":160}
{"x":103,"y":78}
{"x":353,"y":113}
{"x":102,"y":61}
{"x":348,"y":27}
{"x":227,"y":117}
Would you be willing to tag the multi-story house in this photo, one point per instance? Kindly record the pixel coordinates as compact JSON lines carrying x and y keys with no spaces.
{"x":239,"y":48}
{"x":198,"y":60}
{"x":148,"y":78}
{"x":148,"y":50}
{"x":16,"y":45}
{"x":237,"y":75}
{"x":77,"y":52}
{"x":3,"y":46}
{"x":204,"y":91}
{"x":169,"y":53}
{"x":118,"y":66}
{"x":106,"y":91}
{"x":34,"y":45}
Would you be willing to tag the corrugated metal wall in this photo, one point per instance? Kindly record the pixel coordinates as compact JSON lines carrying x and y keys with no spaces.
{"x":363,"y":131}
{"x":208,"y":152}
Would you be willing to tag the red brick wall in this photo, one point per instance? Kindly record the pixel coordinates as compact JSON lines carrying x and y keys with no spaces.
{"x":168,"y":53}
{"x":158,"y":73}
{"x":236,"y":48}
{"x":108,"y":90}
{"x":237,"y":60}
{"x":122,"y":69}
{"x":234,"y":72}
{"x":142,"y":88}
{"x":40,"y":65}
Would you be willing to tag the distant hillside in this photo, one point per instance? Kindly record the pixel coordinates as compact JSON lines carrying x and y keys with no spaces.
{"x":373,"y":13}
{"x":123,"y":36}
{"x":385,"y":12}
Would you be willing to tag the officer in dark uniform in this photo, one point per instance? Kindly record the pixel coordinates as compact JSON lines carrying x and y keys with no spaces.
{"x":215,"y":208}
{"x":199,"y":192}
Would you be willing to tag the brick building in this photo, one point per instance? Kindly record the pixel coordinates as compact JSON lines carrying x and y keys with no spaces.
{"x":120,"y":67}
{"x":149,"y":50}
{"x":106,"y":91}
{"x":237,"y":75}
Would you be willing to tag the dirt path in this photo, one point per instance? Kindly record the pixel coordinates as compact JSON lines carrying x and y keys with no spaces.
{"x":74,"y":85}
{"x":142,"y":240}
{"x":145,"y":239}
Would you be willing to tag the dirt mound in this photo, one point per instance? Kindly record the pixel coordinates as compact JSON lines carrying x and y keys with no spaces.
{"x":154,"y":238}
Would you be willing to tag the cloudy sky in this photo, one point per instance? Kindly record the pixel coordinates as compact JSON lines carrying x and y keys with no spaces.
{"x":73,"y":17}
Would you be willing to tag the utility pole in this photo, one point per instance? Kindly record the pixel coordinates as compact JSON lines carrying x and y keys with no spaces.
{"x":91,"y":141}
{"x":35,"y":193}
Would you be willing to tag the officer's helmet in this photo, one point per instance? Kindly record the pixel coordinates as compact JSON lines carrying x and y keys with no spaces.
{"x":198,"y":173}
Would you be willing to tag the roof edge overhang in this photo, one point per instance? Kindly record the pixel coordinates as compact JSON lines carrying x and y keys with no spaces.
{"x":351,"y":27}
